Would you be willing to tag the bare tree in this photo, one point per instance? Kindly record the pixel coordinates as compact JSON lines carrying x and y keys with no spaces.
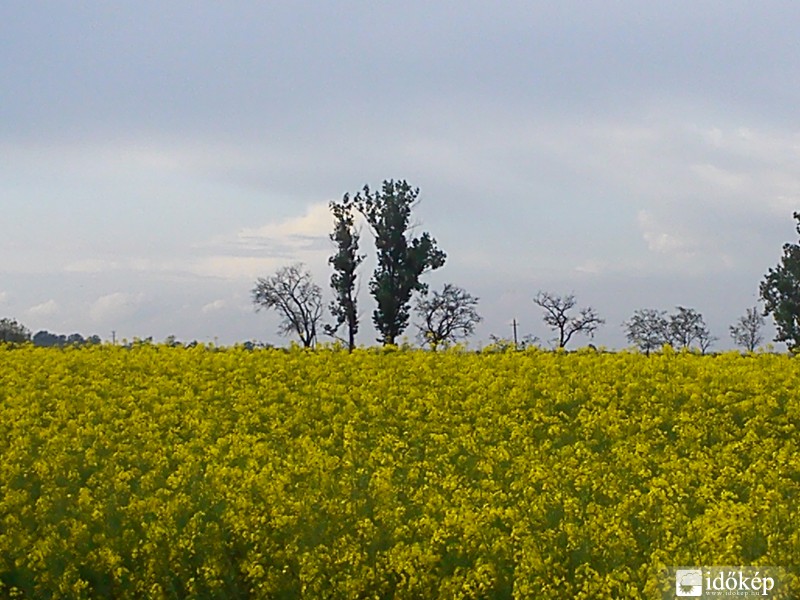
{"x":296,"y":298}
{"x":746,"y":332}
{"x":705,"y":340}
{"x":556,"y":309}
{"x":648,"y":329}
{"x":686,"y":327}
{"x":447,"y":315}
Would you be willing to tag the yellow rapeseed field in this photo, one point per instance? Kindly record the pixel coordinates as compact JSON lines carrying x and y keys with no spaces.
{"x":160,"y":472}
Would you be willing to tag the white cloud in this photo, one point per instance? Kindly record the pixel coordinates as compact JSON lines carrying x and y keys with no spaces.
{"x":235,"y":267}
{"x":45,"y":309}
{"x":93,"y":265}
{"x":103,"y":160}
{"x":213,"y":306}
{"x":662,"y":239}
{"x":3,"y":297}
{"x":592,"y":267}
{"x":135,"y":264}
{"x":723,"y":166}
{"x":295,"y":233}
{"x":680,"y":244}
{"x":257,"y":251}
{"x":116,"y":306}
{"x":224,"y":266}
{"x":249,"y":253}
{"x":721,"y":179}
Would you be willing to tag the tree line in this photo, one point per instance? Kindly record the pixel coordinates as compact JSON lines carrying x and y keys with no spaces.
{"x":13,"y":332}
{"x":447,"y":315}
{"x":450,"y":314}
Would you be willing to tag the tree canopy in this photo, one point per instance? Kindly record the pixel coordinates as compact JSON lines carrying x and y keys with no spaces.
{"x":401,"y":258}
{"x":13,"y":332}
{"x":780,"y":291}
{"x":345,"y":262}
{"x":648,"y":329}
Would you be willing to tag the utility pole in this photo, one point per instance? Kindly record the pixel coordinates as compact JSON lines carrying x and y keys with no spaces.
{"x":114,"y":337}
{"x":514,"y":326}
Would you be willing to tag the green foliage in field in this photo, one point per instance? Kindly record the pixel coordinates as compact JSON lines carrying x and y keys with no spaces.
{"x":165,"y":472}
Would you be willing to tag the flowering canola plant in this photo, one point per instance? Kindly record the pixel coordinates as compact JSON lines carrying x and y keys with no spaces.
{"x":165,"y":472}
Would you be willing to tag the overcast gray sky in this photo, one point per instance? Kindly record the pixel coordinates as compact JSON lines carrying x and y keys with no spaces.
{"x":157,"y":157}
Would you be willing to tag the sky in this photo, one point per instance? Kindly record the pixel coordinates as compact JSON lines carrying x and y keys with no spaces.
{"x":156,"y":158}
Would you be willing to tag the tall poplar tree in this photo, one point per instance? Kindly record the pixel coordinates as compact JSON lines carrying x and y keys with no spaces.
{"x":401,"y":258}
{"x":344,"y":262}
